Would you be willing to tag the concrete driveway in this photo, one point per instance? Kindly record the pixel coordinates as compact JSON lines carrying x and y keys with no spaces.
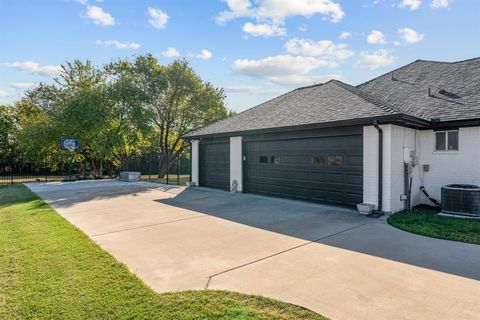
{"x":328,"y":259}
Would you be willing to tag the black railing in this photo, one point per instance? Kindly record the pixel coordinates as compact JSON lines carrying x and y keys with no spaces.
{"x":178,"y":172}
{"x":11,"y":179}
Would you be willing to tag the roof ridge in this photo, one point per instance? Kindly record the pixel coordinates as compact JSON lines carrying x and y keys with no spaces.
{"x":390,"y":72}
{"x":411,"y":63}
{"x":449,"y":62}
{"x":371,"y":98}
{"x":313,"y":85}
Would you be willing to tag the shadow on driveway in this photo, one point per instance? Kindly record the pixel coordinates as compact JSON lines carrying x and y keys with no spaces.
{"x":338,"y":227}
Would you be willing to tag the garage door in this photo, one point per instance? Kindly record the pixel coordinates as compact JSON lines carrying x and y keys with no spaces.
{"x":324,"y":169}
{"x":215,"y":164}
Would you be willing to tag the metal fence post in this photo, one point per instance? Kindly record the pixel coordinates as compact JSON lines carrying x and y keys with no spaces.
{"x":178,"y":171}
{"x":149,"y":167}
{"x":168,"y":167}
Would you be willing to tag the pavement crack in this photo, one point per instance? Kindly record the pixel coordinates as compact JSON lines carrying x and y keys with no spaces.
{"x":280,"y":252}
{"x":145,"y":226}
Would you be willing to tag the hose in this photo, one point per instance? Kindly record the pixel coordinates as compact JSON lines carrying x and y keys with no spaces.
{"x":435,"y":201}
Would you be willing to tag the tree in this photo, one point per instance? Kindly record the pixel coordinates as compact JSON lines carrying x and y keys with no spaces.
{"x":122,"y":109}
{"x":7,"y":130}
{"x":129,"y":126}
{"x":176,"y":100}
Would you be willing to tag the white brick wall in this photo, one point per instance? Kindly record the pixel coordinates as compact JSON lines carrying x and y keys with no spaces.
{"x":461,"y":166}
{"x":445,"y":167}
{"x":236,"y":162}
{"x":195,"y":160}
{"x":370,"y":165}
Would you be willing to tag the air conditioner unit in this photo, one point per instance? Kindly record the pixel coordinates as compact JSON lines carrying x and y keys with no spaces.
{"x":461,"y":199}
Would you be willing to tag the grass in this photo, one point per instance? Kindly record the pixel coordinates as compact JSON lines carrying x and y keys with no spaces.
{"x":428,"y":223}
{"x":51,"y":270}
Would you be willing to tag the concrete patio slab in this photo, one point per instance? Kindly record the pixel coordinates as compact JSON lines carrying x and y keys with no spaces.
{"x":328,"y":259}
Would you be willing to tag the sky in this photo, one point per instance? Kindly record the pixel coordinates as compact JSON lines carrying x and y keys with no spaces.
{"x":254,"y":49}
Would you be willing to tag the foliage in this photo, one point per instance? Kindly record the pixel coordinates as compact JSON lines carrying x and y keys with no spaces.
{"x":122,"y":109}
{"x":7,"y":130}
{"x":430,"y":224}
{"x":51,"y":270}
{"x":176,"y":100}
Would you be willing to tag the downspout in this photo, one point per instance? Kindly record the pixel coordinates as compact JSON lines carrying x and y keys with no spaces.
{"x":380,"y":165}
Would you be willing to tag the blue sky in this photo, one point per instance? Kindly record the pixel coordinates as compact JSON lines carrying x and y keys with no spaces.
{"x":254,"y":49}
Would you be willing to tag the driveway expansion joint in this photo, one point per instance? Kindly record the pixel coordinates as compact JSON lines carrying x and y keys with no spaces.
{"x":146,"y":226}
{"x":281,"y":252}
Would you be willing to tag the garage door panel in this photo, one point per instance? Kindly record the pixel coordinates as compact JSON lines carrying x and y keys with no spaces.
{"x":325,"y":169}
{"x":215,"y":164}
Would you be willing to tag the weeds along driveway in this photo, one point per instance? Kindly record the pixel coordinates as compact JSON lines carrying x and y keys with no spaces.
{"x":328,"y":259}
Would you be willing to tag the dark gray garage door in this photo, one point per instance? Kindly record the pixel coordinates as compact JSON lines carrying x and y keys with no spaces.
{"x":215,"y":164}
{"x":325,"y":169}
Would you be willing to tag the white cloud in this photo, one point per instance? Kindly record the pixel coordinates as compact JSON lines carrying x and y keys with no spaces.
{"x":438,"y":4}
{"x":35,"y":68}
{"x":98,"y":16}
{"x":118,"y":44}
{"x":158,"y":19}
{"x":410,"y":36}
{"x":22,"y":85}
{"x":274,"y":12}
{"x":376,"y":37}
{"x":204,"y":55}
{"x":4,"y":94}
{"x":303,"y":27}
{"x":254,"y":90}
{"x":243,"y":89}
{"x":324,"y":48}
{"x":284,"y":69}
{"x":171,"y":53}
{"x":411,"y":4}
{"x":263,"y":29}
{"x":374,"y":60}
{"x":238,"y":8}
{"x":345,"y":35}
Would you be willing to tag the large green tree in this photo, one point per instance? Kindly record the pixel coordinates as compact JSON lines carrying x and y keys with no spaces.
{"x":176,"y":101}
{"x":122,"y":109}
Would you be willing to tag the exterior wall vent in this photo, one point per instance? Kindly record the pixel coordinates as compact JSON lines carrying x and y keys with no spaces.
{"x":461,"y":199}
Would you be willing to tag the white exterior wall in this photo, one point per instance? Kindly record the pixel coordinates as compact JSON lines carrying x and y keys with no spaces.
{"x":236,"y":162}
{"x":195,"y":162}
{"x":370,"y":165}
{"x":461,"y":166}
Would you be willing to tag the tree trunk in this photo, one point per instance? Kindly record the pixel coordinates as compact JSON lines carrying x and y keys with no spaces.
{"x":162,"y":167}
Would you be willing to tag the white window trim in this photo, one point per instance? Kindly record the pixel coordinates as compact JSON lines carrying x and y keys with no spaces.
{"x":446,"y":151}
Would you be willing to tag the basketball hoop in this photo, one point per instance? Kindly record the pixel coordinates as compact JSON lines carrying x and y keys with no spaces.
{"x":70,"y":144}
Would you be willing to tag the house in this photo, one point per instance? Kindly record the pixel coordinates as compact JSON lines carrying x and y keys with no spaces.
{"x":376,"y":143}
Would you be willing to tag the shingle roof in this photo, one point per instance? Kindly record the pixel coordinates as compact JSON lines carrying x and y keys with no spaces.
{"x":406,"y":89}
{"x":454,"y":88}
{"x":332,"y":101}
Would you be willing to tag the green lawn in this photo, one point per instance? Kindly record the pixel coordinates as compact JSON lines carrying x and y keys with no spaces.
{"x":428,"y":223}
{"x":51,"y":270}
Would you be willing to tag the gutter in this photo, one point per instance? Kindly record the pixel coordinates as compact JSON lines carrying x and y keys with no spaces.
{"x":380,"y":165}
{"x":400,"y":119}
